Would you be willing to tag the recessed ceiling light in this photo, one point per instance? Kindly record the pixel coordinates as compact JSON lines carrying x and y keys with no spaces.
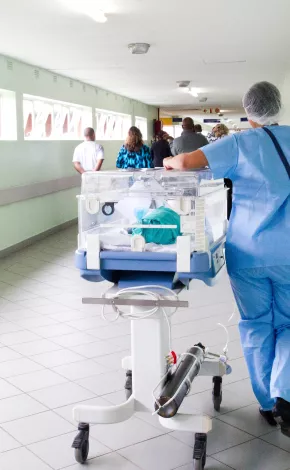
{"x":193,"y":92}
{"x":139,"y":47}
{"x":87,"y":8}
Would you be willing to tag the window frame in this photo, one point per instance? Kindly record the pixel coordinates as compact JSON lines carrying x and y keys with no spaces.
{"x":66,"y":110}
{"x":109,"y":116}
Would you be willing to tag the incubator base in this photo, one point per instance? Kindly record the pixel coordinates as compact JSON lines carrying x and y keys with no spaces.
{"x":145,"y":368}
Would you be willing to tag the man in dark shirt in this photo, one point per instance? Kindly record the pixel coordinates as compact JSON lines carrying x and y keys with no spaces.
{"x":160,"y":149}
{"x":189,"y":139}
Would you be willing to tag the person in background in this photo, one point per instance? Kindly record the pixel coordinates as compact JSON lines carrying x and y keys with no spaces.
{"x":189,"y":139}
{"x":218,"y":132}
{"x":160,"y":149}
{"x":198,"y":128}
{"x":89,"y":155}
{"x":257,"y":246}
{"x":134,"y":153}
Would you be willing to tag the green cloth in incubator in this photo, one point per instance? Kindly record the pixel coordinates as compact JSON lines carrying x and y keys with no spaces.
{"x":162,"y":236}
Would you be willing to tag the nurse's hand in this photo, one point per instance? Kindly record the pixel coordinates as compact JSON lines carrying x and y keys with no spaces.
{"x":174,"y":163}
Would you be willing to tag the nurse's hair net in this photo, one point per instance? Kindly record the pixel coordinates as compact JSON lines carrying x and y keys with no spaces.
{"x":262,"y":103}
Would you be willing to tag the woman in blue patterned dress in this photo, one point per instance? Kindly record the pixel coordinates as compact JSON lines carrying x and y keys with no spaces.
{"x":134,"y":153}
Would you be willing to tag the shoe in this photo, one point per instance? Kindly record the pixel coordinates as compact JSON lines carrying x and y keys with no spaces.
{"x":281,"y":411}
{"x":269,"y":417}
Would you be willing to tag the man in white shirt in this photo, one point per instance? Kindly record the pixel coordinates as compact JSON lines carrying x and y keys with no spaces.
{"x":89,"y":155}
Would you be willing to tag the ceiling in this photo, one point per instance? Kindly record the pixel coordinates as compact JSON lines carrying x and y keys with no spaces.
{"x":222,"y":47}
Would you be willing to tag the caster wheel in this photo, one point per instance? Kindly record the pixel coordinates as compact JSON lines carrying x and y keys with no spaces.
{"x":128,"y":384}
{"x":108,"y":208}
{"x":217,"y":393}
{"x":199,"y":452}
{"x":81,"y":443}
{"x":81,"y":455}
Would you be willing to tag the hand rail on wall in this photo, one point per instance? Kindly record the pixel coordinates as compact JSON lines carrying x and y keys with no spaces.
{"x":43,"y":188}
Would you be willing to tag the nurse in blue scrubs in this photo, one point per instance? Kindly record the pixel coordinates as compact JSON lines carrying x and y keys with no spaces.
{"x":258,"y":242}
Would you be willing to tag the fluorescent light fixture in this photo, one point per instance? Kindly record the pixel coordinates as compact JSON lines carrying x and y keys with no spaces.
{"x":97,"y":15}
{"x":193,"y":92}
{"x":87,"y":8}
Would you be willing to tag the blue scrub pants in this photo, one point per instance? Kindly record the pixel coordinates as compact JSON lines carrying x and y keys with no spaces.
{"x":263,"y":299}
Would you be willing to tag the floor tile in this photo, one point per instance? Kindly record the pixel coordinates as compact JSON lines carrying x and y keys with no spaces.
{"x":112,"y":331}
{"x":112,"y":461}
{"x":61,"y":395}
{"x":18,"y":337}
{"x":8,"y":327}
{"x":234,"y":397}
{"x":277,"y":439}
{"x":255,"y":455}
{"x":119,"y":435}
{"x":19,"y":314}
{"x":220,"y":438}
{"x":105,"y":383}
{"x":36,"y":347}
{"x":248,"y":419}
{"x":36,"y":380}
{"x":7,"y":442}
{"x":80,"y":369}
{"x":58,"y":453}
{"x":162,"y":453}
{"x":211,"y":464}
{"x":18,"y":407}
{"x":38,"y":427}
{"x":54,"y":330}
{"x":88,"y":323}
{"x":36,"y":322}
{"x":97,"y":349}
{"x":74,"y":339}
{"x":57,"y":358}
{"x":113,"y":361}
{"x":21,"y":459}
{"x":7,"y":354}
{"x":18,"y":366}
{"x":7,"y":390}
{"x":239,"y":371}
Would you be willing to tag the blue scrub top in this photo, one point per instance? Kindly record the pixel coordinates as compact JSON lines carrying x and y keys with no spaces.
{"x":259,"y":227}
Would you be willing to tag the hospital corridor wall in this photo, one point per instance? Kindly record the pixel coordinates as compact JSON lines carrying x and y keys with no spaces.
{"x":38,"y":183}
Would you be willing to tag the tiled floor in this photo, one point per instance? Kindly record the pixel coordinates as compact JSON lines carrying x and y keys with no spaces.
{"x":54,"y":350}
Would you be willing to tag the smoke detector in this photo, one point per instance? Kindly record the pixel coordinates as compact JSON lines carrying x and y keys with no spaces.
{"x":183,"y":84}
{"x":202,"y":99}
{"x":139,"y":47}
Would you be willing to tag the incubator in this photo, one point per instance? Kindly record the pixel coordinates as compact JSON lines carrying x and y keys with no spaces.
{"x":151,"y":220}
{"x":150,"y":232}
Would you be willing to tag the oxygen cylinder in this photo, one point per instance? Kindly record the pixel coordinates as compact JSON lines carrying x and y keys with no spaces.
{"x":189,"y":366}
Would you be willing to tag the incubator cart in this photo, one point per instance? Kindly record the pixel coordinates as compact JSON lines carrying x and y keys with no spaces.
{"x":150,"y":232}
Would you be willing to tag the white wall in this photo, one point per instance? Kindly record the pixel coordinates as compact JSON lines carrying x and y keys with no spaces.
{"x":25,"y":162}
{"x":285,"y":91}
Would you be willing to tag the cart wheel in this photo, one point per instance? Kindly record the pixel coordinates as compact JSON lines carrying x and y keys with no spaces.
{"x":81,"y":455}
{"x":81,"y":443}
{"x":128,"y":384}
{"x":199,"y":452}
{"x":217,"y":394}
{"x":108,"y":208}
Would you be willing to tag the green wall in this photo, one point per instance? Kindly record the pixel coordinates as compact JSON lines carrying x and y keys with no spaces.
{"x":27,"y":162}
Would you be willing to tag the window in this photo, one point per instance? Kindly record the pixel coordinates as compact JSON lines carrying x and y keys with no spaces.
{"x":141,"y":123}
{"x":173,"y":131}
{"x":47,"y":119}
{"x":8,"y":122}
{"x":112,"y":126}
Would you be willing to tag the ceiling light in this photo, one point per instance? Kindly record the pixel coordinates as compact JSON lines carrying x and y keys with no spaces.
{"x":193,"y":92}
{"x":97,"y":15}
{"x":139,"y":47}
{"x":86,"y":7}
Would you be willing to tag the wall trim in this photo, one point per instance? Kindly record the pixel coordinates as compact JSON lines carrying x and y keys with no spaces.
{"x":40,"y":236}
{"x":30,"y":191}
